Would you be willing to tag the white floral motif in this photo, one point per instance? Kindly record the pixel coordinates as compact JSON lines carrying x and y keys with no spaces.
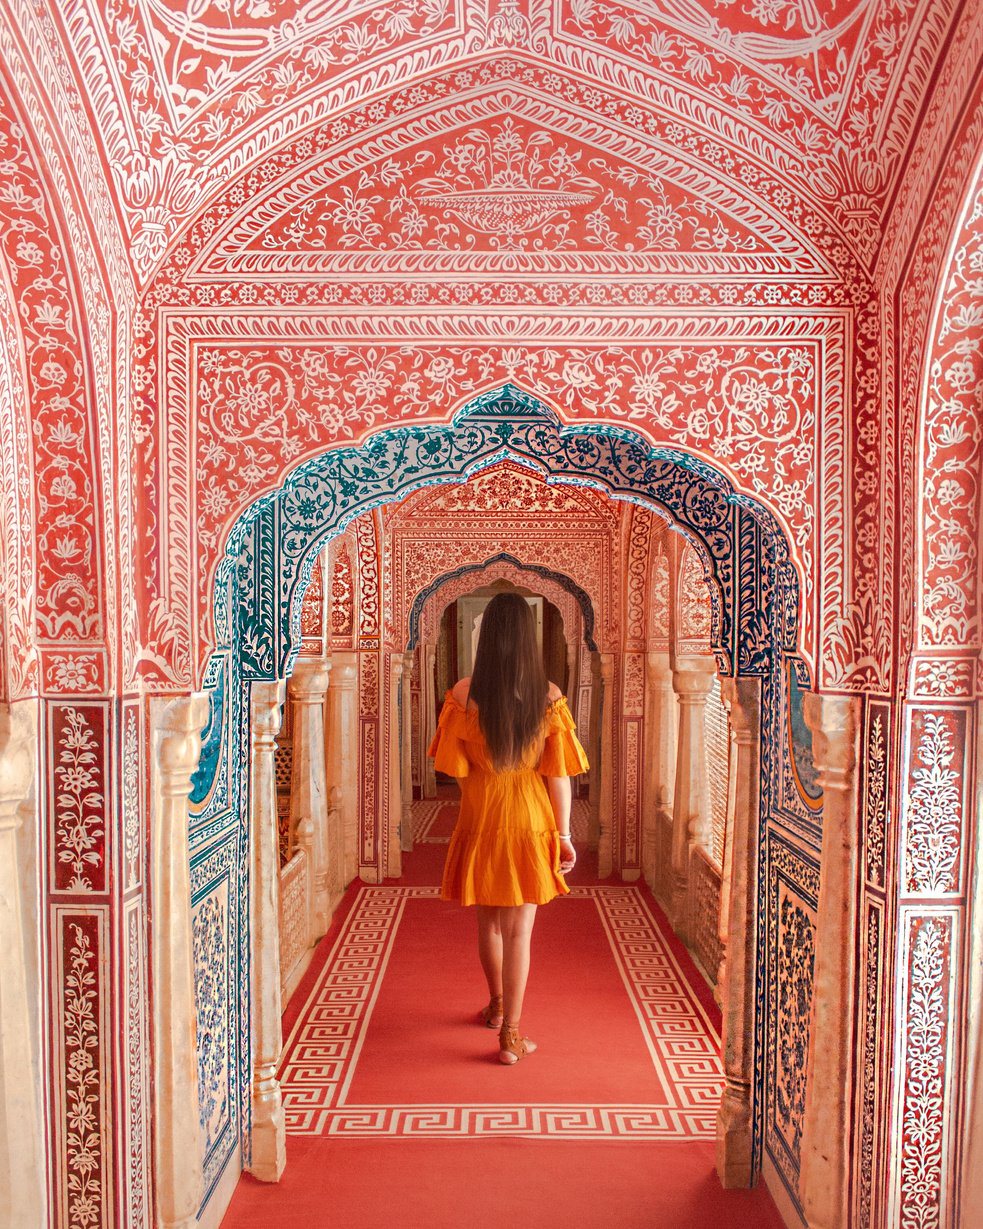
{"x":934,"y":810}
{"x":131,"y":800}
{"x":136,"y":1048}
{"x":79,"y":802}
{"x":921,"y":1149}
{"x":83,"y":1141}
{"x":209,"y":947}
{"x":876,"y":799}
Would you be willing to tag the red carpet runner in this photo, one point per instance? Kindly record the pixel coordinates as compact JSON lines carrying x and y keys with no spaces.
{"x":399,"y":1113}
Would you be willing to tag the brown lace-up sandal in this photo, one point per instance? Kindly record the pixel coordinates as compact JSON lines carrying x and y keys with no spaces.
{"x":512,"y":1047}
{"x":491,"y":1016}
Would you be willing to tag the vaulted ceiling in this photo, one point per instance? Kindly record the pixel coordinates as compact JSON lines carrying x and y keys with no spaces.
{"x":678,"y":139}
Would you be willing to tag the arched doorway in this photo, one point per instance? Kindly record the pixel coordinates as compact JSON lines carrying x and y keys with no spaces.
{"x":755,"y":601}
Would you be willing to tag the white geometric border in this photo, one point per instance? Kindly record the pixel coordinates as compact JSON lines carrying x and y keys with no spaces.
{"x":324,"y":1047}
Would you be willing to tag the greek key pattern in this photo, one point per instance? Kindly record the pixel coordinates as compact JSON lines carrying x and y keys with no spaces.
{"x":325,"y":1046}
{"x":425,"y":816}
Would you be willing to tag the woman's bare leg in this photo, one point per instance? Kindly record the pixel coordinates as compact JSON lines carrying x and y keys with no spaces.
{"x":516,"y":923}
{"x":490,"y":947}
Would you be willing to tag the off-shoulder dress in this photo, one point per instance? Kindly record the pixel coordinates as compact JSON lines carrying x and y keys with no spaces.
{"x":505,"y":849}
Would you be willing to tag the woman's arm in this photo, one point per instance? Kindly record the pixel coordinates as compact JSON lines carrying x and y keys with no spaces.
{"x":561,"y":800}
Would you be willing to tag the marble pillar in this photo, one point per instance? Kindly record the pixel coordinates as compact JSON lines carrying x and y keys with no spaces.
{"x":735,"y":1153}
{"x":406,"y":754}
{"x":593,"y":747}
{"x":392,"y":779}
{"x":428,"y":717}
{"x":659,"y":755}
{"x":826,"y":1130}
{"x":308,"y":687}
{"x":175,"y":733}
{"x":692,"y":678}
{"x":268,"y":1154}
{"x":605,"y":848}
{"x":22,"y":1168}
{"x":341,"y":759}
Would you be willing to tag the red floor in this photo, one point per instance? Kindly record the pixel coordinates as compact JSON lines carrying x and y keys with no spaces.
{"x":610,"y":1123}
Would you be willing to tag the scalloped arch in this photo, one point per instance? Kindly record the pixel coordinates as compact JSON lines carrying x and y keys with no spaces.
{"x":271,"y":550}
{"x":434,"y":592}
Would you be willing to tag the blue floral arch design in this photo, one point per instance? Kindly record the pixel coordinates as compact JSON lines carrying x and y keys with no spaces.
{"x":582,"y":598}
{"x":271,"y":551}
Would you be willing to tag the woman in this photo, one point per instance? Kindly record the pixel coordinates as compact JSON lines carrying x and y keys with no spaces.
{"x":506,"y":734}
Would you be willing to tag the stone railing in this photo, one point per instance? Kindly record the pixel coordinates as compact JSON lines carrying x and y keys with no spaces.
{"x":296,"y":907}
{"x":704,"y":903}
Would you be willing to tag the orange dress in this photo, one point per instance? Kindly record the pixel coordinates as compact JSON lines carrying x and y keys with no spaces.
{"x":505,"y":849}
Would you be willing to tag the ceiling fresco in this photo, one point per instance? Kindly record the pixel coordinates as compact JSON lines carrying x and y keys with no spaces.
{"x":695,"y":102}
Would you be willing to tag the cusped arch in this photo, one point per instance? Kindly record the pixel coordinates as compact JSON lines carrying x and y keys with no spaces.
{"x":271,"y":551}
{"x":569,"y":599}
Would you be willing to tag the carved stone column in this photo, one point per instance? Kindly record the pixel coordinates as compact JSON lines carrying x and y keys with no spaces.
{"x":268,"y":1150}
{"x":393,"y":777}
{"x":826,"y":1127}
{"x":22,"y":1171}
{"x":176,"y":727}
{"x":308,"y":789}
{"x":428,"y":717}
{"x":605,"y":849}
{"x":341,"y":757}
{"x":406,"y":755}
{"x":660,"y":755}
{"x":735,"y":1160}
{"x":692,"y":678}
{"x":723,"y":927}
{"x":593,"y":745}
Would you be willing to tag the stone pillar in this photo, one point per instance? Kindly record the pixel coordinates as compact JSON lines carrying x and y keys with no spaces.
{"x":406,"y":755}
{"x":605,"y":849}
{"x":308,"y":789}
{"x":692,"y":678}
{"x":826,"y":1128}
{"x":660,"y":754}
{"x":735,"y":1153}
{"x":593,"y":734}
{"x":392,"y":782}
{"x":176,"y":727}
{"x":723,"y":928}
{"x":428,"y":717}
{"x":268,"y":1154}
{"x":341,"y":758}
{"x":22,"y":1169}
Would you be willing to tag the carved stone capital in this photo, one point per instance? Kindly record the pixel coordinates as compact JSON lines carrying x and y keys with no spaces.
{"x":179,"y":728}
{"x":266,"y":713}
{"x":344,"y":670}
{"x":743,"y":699}
{"x":692,"y":678}
{"x":309,"y":681}
{"x":834,"y":722}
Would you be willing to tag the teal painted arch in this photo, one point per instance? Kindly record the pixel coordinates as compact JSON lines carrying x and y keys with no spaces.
{"x":271,"y":551}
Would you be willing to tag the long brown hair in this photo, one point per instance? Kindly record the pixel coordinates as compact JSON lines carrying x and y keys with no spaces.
{"x":508,"y":683}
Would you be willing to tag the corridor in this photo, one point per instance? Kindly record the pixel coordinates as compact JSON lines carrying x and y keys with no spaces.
{"x":399,"y":1114}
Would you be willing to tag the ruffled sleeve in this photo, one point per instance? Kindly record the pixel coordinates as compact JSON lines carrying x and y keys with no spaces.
{"x":447,"y":748}
{"x":563,"y":756}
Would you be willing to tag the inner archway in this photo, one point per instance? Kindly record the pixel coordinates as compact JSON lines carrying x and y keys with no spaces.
{"x":755,"y":602}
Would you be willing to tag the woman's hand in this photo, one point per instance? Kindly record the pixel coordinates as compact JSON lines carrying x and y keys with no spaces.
{"x":568,"y":855}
